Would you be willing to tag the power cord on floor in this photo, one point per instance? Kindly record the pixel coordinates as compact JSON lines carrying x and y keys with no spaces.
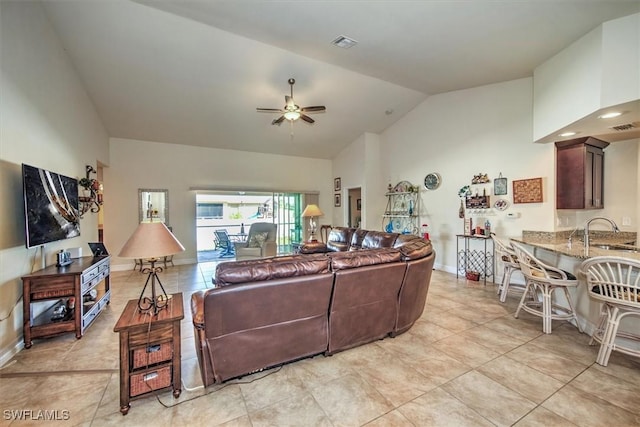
{"x":222,"y":386}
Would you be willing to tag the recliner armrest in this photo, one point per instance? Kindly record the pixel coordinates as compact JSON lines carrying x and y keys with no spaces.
{"x":197,"y":309}
{"x":269,"y":248}
{"x":240,"y":245}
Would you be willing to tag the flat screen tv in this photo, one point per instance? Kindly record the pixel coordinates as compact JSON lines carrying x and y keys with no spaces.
{"x":50,"y":206}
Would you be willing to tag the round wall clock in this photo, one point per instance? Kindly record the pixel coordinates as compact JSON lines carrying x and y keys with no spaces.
{"x":432,"y":181}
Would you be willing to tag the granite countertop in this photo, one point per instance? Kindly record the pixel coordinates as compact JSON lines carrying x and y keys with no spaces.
{"x":559,"y":243}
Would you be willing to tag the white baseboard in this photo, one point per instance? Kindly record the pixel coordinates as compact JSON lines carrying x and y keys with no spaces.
{"x":7,"y":354}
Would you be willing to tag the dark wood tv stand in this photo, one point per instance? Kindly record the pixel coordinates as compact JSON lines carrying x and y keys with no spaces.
{"x":53,"y":283}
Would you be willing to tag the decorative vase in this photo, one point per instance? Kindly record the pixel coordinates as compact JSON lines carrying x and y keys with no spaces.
{"x":461,"y":210}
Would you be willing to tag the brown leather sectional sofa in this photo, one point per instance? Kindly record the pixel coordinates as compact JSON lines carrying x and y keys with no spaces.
{"x":359,"y":287}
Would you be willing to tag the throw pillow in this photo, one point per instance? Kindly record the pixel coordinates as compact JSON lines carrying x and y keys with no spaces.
{"x":258,"y":239}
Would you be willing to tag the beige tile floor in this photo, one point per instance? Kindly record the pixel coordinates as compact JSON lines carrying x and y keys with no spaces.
{"x":467,"y":361}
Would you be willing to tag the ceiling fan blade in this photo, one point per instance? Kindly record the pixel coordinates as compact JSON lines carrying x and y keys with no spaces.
{"x":278,"y":121}
{"x":268,"y":110}
{"x":314,"y":109}
{"x":307,"y":118}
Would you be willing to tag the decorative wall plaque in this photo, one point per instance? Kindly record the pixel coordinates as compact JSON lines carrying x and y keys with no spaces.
{"x":527,"y":190}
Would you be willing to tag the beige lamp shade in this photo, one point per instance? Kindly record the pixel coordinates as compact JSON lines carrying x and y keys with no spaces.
{"x":311,"y":210}
{"x":151,"y":240}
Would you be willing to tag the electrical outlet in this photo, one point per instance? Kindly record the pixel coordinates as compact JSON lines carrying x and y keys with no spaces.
{"x":626,"y":220}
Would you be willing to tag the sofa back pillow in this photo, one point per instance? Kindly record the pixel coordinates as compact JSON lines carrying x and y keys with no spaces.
{"x":228,"y":273}
{"x":378,"y":239}
{"x":258,"y":239}
{"x":355,"y":259}
{"x":413,"y":247}
{"x":357,"y":238}
{"x":339,"y":239}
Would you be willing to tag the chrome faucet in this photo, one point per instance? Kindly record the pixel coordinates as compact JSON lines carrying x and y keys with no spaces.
{"x":614,"y":228}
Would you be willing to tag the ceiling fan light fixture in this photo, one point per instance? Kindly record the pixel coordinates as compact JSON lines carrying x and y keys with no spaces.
{"x":292,"y":115}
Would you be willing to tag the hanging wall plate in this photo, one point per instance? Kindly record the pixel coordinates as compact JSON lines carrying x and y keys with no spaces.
{"x":432,"y":181}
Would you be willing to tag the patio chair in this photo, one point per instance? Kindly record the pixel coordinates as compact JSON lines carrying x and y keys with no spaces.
{"x":260,"y":242}
{"x":615,"y":282}
{"x":223,"y":242}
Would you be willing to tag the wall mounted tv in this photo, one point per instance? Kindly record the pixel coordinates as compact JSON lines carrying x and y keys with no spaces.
{"x":50,"y":206}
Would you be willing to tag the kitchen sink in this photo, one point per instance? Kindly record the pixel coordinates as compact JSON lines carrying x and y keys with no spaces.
{"x":620,"y":248}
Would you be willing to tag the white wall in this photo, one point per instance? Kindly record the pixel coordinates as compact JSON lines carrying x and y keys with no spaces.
{"x":360,"y":165}
{"x":480,"y":130}
{"x":349,"y":166}
{"x":179,"y":168}
{"x":621,"y":60}
{"x":463,"y":133}
{"x":599,"y":70}
{"x":620,"y":191}
{"x":46,"y":120}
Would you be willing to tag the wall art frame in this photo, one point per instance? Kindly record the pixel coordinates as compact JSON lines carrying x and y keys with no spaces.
{"x":527,"y":190}
{"x":500,"y":186}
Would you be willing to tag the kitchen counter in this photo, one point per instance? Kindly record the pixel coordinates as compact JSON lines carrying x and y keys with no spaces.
{"x":553,"y":249}
{"x":558,"y":243}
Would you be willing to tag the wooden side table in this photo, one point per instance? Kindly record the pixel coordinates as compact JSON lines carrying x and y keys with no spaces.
{"x":149,"y":351}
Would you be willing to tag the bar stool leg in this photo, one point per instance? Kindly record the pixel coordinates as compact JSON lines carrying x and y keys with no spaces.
{"x":506,"y":281}
{"x":546,"y":309}
{"x":601,"y":324}
{"x":527,"y":289}
{"x":606,"y":347}
{"x":573,"y":311}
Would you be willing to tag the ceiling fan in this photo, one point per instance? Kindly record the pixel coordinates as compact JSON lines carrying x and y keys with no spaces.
{"x":291,"y":111}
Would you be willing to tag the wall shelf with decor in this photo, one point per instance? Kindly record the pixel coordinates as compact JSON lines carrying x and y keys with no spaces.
{"x":90,"y":197}
{"x":476,"y":196}
{"x":402,"y":213}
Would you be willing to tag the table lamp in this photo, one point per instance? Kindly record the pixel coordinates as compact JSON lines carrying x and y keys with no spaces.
{"x":311,"y":212}
{"x":151,"y":241}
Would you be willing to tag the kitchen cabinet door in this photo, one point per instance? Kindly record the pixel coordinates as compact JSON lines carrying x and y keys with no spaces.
{"x":580,"y":173}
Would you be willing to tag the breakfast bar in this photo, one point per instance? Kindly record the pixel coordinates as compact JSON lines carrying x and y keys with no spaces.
{"x":568,"y":254}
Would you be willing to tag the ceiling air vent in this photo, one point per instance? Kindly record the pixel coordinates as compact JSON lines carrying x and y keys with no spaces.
{"x":624,"y":127}
{"x":344,"y":42}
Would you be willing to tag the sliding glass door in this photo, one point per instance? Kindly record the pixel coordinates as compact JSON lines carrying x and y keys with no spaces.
{"x":288,"y":208}
{"x":235,"y":211}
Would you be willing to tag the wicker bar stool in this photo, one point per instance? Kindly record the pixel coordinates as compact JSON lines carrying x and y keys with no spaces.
{"x":505,"y":253}
{"x":542,"y":280}
{"x":614,"y":281}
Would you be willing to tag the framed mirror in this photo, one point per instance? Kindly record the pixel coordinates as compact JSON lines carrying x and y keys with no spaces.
{"x":153,"y":205}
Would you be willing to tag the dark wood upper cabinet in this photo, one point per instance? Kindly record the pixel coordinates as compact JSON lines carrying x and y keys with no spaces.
{"x":580,"y":173}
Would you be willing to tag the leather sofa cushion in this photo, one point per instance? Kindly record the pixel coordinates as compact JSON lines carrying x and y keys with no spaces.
{"x":378,"y":239}
{"x":313,"y":248}
{"x":413,"y":247}
{"x":228,"y":273}
{"x":354,"y":259}
{"x":357,"y":238}
{"x":339,"y":239}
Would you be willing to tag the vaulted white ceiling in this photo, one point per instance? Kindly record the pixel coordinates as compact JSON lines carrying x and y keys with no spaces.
{"x":194,"y":71}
